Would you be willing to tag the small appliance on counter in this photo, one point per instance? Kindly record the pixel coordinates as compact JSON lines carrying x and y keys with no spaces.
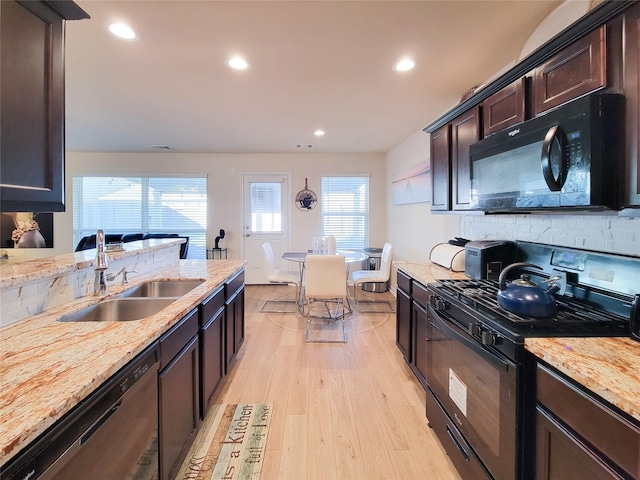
{"x":448,"y":256}
{"x":485,"y":259}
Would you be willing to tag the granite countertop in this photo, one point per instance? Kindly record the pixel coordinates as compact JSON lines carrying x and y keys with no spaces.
{"x":47,"y":366}
{"x":607,"y":366}
{"x":428,"y":272}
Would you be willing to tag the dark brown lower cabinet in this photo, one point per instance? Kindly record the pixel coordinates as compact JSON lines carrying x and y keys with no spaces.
{"x":419,"y":365}
{"x":403,"y":323}
{"x":561,"y":455}
{"x":178,"y":394}
{"x":580,"y":436}
{"x":238,"y":320}
{"x":419,"y":302}
{"x":211,"y":348}
{"x":234,"y":317}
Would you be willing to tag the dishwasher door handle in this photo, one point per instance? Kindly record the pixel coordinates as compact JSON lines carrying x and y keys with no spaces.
{"x":98,"y":423}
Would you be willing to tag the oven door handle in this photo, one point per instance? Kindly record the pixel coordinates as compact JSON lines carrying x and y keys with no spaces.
{"x":471,"y":344}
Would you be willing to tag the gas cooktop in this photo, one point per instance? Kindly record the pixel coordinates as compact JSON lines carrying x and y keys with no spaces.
{"x":596,"y":296}
{"x":572,"y":314}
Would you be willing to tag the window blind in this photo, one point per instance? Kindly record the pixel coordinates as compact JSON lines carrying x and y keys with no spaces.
{"x":345,"y":210}
{"x":142,"y":204}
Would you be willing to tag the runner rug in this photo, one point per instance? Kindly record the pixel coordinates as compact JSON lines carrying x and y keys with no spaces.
{"x":230,"y":445}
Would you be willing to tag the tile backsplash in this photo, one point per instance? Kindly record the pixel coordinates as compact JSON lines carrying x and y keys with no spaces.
{"x":601,"y":232}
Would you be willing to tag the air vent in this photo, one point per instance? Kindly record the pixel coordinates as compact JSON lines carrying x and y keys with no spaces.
{"x":161,"y":147}
{"x":304,"y":146}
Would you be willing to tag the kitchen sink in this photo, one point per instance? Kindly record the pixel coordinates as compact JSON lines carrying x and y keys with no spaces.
{"x":119,"y":310}
{"x":162,"y":288}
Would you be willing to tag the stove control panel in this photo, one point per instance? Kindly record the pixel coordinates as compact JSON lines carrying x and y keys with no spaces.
{"x":485,"y":334}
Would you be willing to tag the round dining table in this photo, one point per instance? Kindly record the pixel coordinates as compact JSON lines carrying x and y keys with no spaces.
{"x":349,"y":256}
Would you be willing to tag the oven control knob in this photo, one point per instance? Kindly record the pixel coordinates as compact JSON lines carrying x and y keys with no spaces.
{"x":491,"y":338}
{"x":476,"y":329}
{"x":438,"y":303}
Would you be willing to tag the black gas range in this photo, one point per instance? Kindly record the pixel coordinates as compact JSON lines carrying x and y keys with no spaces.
{"x":481,"y":388}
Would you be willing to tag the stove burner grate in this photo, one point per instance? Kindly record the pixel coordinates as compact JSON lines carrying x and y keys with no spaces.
{"x":484,"y":293}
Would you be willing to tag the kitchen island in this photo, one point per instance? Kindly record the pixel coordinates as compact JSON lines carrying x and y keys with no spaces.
{"x":48,"y":367}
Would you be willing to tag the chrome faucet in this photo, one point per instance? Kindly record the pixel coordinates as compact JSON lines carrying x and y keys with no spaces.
{"x":100,"y":284}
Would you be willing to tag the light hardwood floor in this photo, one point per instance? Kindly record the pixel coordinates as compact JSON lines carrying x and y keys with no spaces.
{"x":340,"y":411}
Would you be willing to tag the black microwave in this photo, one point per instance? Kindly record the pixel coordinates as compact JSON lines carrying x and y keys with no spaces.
{"x":566,"y":159}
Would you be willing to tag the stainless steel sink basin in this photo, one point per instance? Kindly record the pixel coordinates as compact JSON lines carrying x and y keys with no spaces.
{"x":119,"y":310}
{"x":162,"y":288}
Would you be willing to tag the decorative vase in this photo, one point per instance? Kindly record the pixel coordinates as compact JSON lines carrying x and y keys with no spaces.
{"x":31,"y":239}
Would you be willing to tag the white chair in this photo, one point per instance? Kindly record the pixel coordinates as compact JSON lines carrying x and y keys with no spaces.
{"x":275,"y":275}
{"x":374,"y":276}
{"x":326,"y":281}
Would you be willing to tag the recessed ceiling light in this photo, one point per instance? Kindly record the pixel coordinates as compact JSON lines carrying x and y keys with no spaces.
{"x":404,"y":65}
{"x":122,"y":30}
{"x":318,"y":133}
{"x":238,"y":63}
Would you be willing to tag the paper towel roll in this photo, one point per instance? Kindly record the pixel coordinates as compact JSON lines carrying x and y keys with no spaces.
{"x":448,"y":256}
{"x":331,"y":245}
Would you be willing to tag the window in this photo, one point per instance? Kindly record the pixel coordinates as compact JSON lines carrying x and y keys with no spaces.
{"x":345,"y":211}
{"x":266,"y":207}
{"x":140,"y":205}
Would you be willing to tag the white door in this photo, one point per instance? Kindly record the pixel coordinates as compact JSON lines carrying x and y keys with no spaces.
{"x":266,"y":219}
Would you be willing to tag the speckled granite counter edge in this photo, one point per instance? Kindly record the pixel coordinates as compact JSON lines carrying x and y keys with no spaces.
{"x":606,"y":366}
{"x":427,"y":272}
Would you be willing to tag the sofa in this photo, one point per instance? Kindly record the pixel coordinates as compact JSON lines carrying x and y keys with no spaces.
{"x":89,"y":241}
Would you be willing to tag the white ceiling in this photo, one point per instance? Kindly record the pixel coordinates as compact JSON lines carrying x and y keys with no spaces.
{"x":314,"y":64}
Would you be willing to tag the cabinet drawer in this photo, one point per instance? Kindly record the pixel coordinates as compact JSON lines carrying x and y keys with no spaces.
{"x":420,"y":294}
{"x":404,"y":282}
{"x":617,"y":438}
{"x":457,"y":448}
{"x":211,"y":305}
{"x":177,"y":337}
{"x":234,"y":285}
{"x":505,"y":108}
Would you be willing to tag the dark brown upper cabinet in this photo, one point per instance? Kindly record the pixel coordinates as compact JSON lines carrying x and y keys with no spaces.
{"x":631,"y":172}
{"x":578,"y":69}
{"x":32,"y":108}
{"x":465,"y":131}
{"x":505,"y":108}
{"x":441,"y":169}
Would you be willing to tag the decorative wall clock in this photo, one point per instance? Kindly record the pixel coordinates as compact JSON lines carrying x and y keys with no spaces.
{"x":306,"y":199}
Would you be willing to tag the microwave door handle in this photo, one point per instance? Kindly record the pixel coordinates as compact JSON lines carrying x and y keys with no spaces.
{"x":554,"y":184}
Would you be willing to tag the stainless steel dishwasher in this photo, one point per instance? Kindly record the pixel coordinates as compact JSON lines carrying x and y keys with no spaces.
{"x":112,"y":435}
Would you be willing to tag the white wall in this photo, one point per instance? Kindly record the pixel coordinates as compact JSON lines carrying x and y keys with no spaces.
{"x":411,"y":228}
{"x":224,"y":187}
